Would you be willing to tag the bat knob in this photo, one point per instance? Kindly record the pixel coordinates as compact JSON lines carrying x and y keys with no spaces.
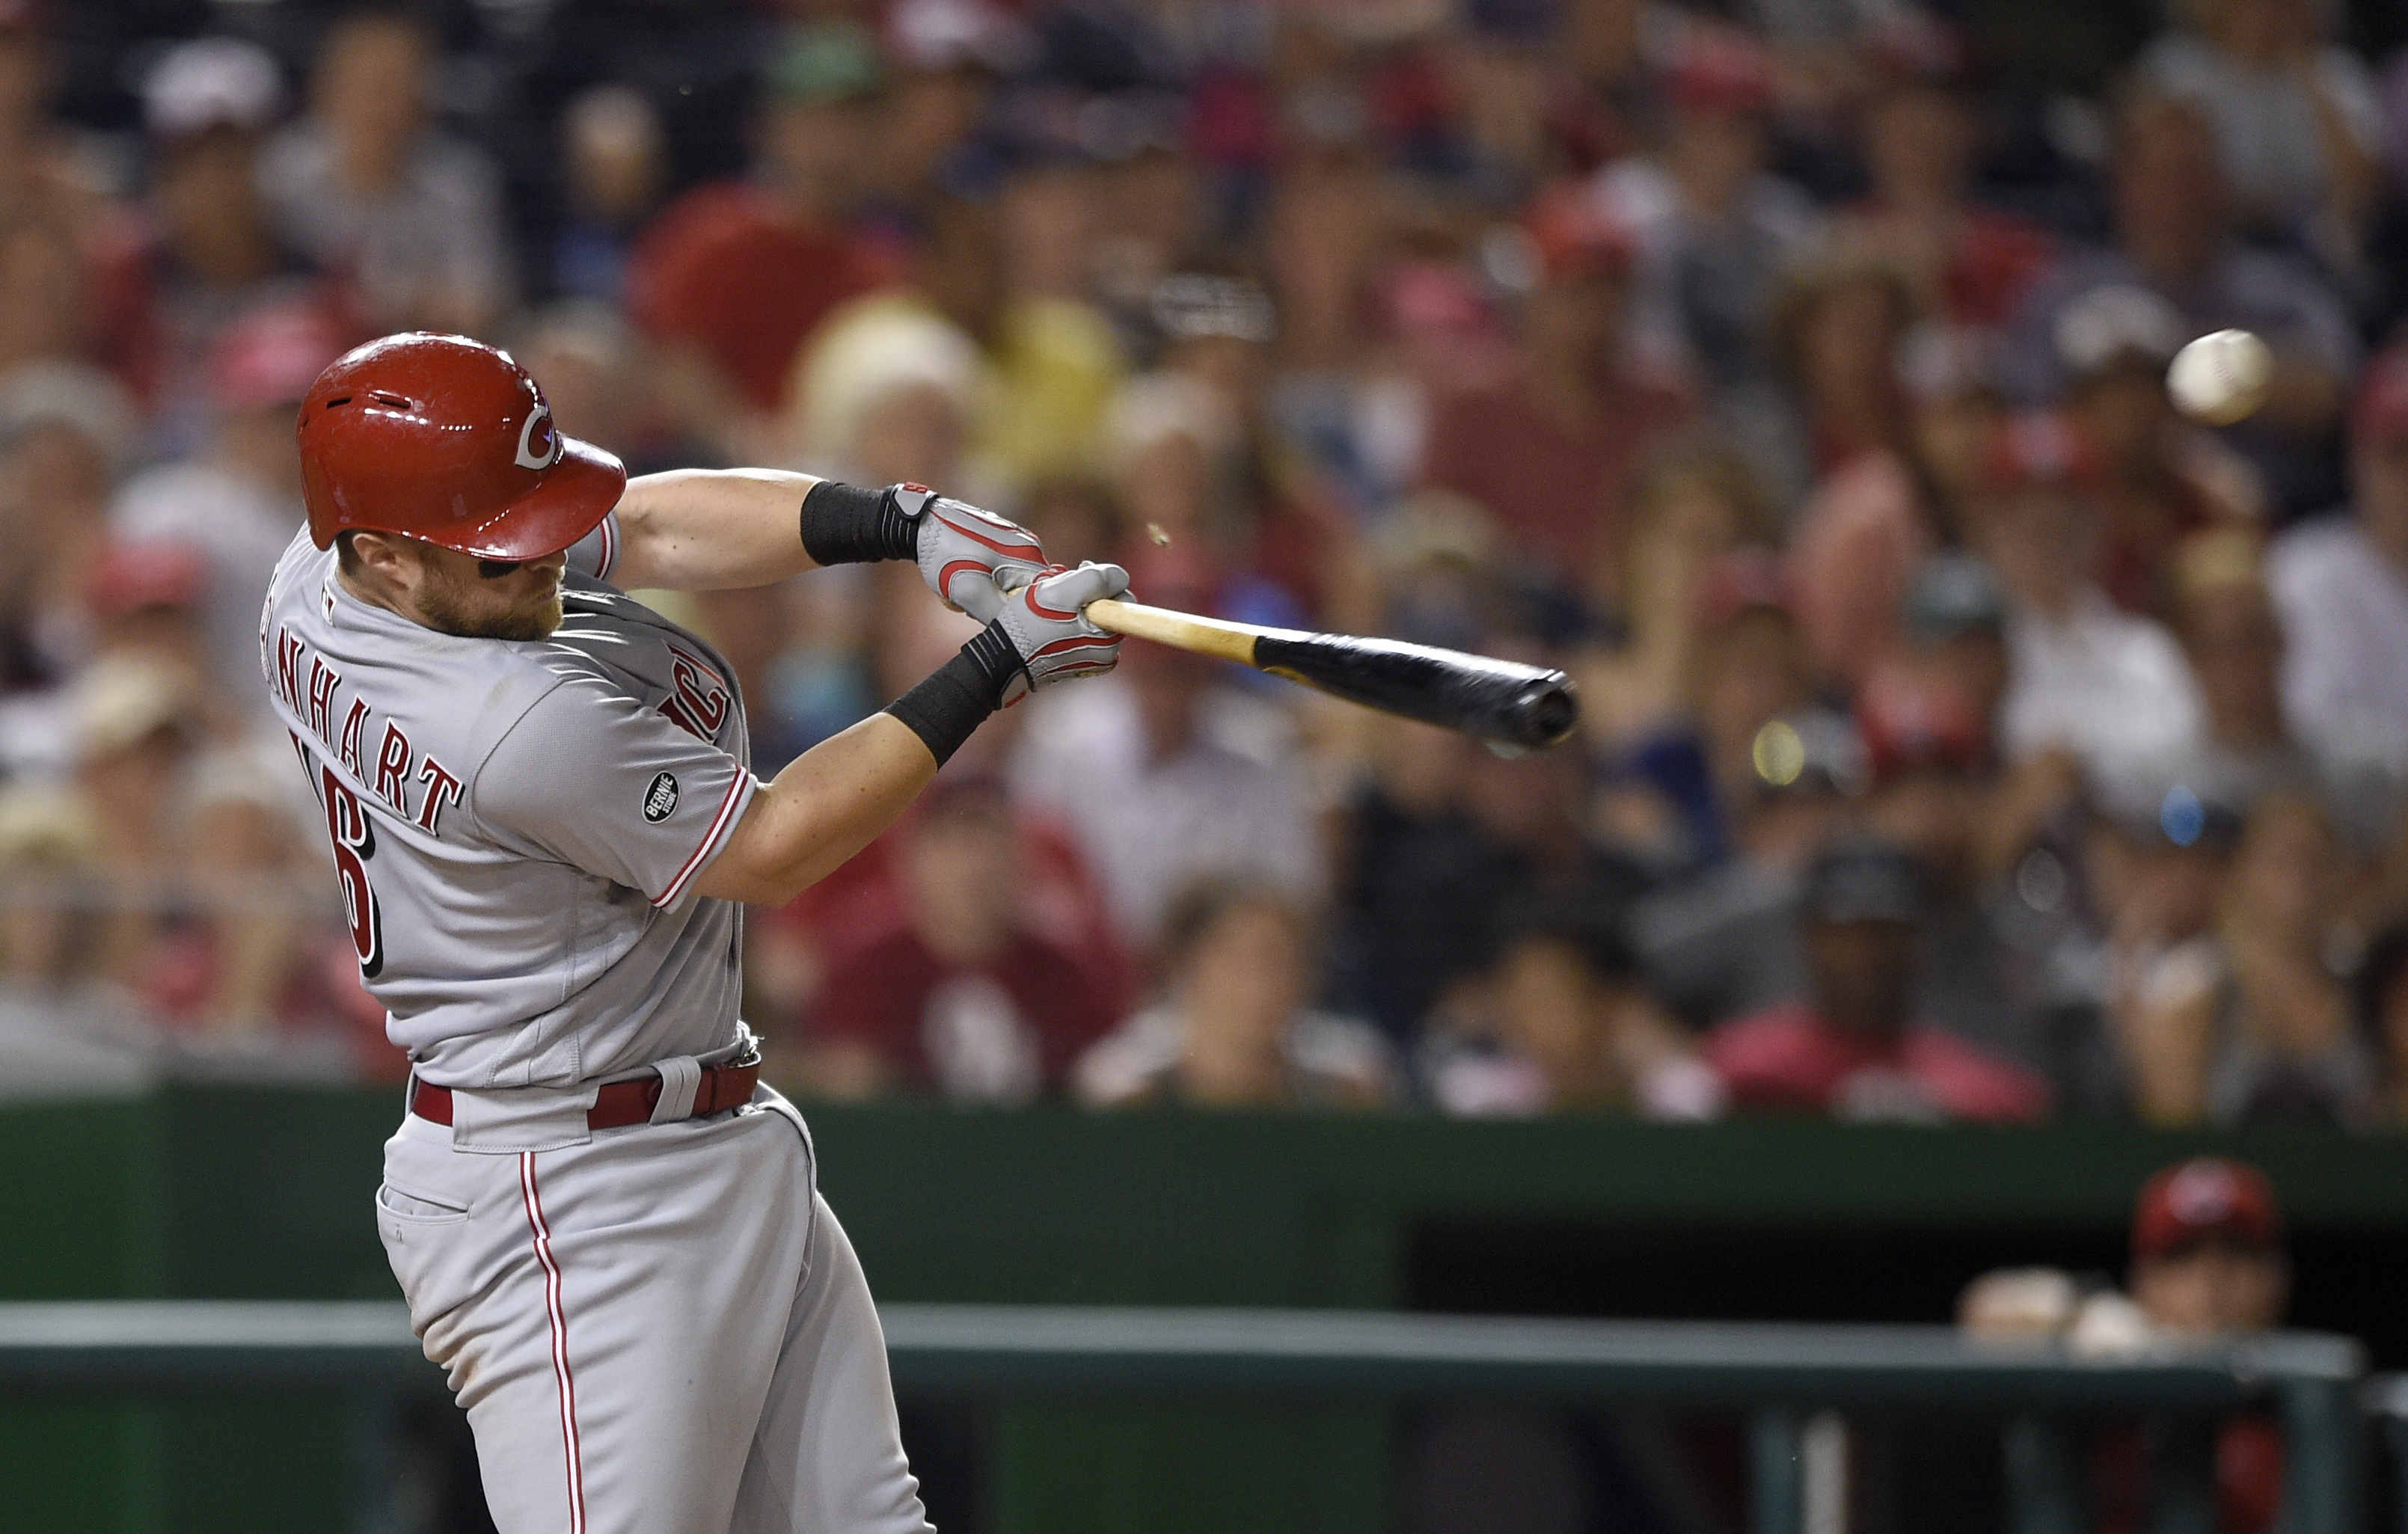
{"x":1546,"y":711}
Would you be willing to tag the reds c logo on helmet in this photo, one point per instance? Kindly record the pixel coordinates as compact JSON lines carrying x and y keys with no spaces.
{"x":446,"y":439}
{"x":540,"y":441}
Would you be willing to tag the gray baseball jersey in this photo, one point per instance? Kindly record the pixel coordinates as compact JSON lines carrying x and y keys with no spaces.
{"x":517,"y":826}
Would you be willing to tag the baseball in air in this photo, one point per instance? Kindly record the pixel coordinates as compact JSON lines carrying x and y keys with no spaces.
{"x":2221,"y":378}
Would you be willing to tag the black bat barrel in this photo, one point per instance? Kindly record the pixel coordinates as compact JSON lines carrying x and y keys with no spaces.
{"x":1526,"y":705}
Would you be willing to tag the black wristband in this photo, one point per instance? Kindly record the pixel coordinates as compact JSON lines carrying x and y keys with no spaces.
{"x":845,"y":525}
{"x":956,"y":697}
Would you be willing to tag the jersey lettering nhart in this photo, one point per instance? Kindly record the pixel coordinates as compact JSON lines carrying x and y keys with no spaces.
{"x":517,"y":826}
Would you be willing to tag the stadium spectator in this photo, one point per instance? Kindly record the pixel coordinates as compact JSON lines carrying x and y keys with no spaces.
{"x":2107,"y":686}
{"x":238,"y":498}
{"x":1725,"y":941}
{"x":45,"y":172}
{"x":731,"y":277}
{"x":960,"y":998}
{"x":2298,"y":119}
{"x":1920,"y":136}
{"x":2341,"y":582}
{"x":211,"y":255}
{"x":614,"y":159}
{"x":2175,"y":236}
{"x":1550,"y":453}
{"x":1691,"y":509}
{"x":1872,"y":515}
{"x":1852,"y":1048}
{"x":1574,"y":1029}
{"x":66,"y":432}
{"x":2379,"y":1006}
{"x":1235,"y":1027}
{"x":2250,"y":1025}
{"x":409,"y":216}
{"x":1713,"y":227}
{"x":2158,"y":479}
{"x":63,"y":1032}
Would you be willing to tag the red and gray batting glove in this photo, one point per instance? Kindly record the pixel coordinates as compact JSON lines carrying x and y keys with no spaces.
{"x":1048,"y":627}
{"x":969,"y":557}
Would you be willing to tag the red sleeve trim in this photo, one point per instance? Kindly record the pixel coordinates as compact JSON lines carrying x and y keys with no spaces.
{"x":731,"y":808}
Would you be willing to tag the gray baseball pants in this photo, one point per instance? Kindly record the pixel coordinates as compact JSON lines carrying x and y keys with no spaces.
{"x":655,"y":1329}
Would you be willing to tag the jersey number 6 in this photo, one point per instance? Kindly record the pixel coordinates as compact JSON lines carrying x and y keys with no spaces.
{"x":354,"y":839}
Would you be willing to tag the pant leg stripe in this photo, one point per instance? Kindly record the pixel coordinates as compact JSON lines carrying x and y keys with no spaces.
{"x":559,"y":1319}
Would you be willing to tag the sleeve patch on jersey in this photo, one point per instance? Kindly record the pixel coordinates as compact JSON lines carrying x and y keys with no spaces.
{"x":661,"y":800}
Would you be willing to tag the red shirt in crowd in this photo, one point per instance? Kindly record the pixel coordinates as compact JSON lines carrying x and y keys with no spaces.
{"x":1560,"y":495}
{"x":1786,"y":1056}
{"x":969,"y":1029}
{"x":721,"y":267}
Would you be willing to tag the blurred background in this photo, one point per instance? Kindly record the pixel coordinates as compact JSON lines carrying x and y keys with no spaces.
{"x":1971,"y":739}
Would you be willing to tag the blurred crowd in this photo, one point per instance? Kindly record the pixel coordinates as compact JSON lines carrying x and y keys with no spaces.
{"x":1967,"y":734}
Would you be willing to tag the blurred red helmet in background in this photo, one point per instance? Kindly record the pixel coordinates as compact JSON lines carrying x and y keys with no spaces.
{"x":446,"y":439}
{"x":2206,"y":1196}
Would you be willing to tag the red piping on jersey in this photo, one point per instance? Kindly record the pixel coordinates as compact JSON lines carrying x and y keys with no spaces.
{"x":710,"y":838}
{"x":559,"y":1320}
{"x":609,"y":546}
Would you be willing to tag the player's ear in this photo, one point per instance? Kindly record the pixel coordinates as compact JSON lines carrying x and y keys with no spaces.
{"x":381,"y":554}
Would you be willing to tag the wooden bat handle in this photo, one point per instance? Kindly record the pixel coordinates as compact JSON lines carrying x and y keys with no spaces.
{"x":1214,"y":637}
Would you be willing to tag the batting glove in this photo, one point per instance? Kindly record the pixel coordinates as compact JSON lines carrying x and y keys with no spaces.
{"x":1049,"y":630}
{"x":970,"y":558}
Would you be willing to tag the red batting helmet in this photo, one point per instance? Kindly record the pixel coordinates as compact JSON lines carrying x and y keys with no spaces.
{"x":445,"y":439}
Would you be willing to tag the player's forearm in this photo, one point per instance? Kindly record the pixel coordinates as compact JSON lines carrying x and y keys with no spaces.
{"x":829,"y":803}
{"x":711,"y":529}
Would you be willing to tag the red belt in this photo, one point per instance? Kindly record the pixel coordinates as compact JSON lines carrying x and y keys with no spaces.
{"x":623,"y":1103}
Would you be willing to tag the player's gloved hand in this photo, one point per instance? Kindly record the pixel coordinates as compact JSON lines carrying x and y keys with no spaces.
{"x":1050,"y":632}
{"x":969,"y":557}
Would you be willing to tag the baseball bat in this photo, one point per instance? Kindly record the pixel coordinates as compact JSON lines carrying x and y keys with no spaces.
{"x":1515,"y":705}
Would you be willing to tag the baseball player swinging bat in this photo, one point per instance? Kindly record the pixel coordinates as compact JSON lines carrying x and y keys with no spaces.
{"x":1503,"y":701}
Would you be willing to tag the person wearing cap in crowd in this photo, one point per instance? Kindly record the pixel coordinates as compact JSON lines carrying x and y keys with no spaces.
{"x":2341,"y":581}
{"x":1550,"y":453}
{"x":2159,"y":478}
{"x":1712,"y":225}
{"x":732,"y":275}
{"x":409,"y":217}
{"x":1852,"y":1048}
{"x":2173,"y":216}
{"x":2104,"y":686}
{"x":1921,"y":139}
{"x":239,"y":499}
{"x":211,"y":254}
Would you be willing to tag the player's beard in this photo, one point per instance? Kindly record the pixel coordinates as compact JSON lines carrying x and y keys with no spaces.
{"x":448,"y":604}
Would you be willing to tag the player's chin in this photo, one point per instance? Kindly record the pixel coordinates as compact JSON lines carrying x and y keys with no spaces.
{"x":537,"y":621}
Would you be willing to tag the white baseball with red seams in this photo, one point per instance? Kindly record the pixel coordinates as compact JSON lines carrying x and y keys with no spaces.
{"x":517,"y":829}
